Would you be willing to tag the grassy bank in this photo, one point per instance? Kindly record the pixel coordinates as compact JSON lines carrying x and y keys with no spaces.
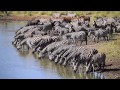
{"x":112,"y":51}
{"x":111,"y":48}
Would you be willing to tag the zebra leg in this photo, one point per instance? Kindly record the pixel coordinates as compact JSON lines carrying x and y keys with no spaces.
{"x":86,"y":40}
{"x":87,"y":68}
{"x":74,"y":41}
{"x":93,"y":68}
{"x":22,"y":47}
{"x":98,"y":39}
{"x":104,"y":38}
{"x":94,"y":39}
{"x":27,"y":47}
{"x":65,"y":62}
{"x":81,"y":42}
{"x":108,"y":38}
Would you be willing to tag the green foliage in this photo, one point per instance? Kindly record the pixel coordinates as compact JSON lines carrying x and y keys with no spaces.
{"x":94,"y":14}
{"x":63,"y":12}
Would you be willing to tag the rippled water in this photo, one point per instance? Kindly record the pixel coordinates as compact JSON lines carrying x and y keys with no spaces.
{"x":24,"y":65}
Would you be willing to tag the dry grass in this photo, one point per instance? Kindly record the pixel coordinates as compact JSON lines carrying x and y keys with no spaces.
{"x":79,"y":13}
{"x":111,"y":48}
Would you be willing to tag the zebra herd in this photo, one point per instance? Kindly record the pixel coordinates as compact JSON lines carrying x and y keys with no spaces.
{"x":57,"y":39}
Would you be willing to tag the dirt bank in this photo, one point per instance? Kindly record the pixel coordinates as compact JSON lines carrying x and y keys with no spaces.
{"x":112,"y":68}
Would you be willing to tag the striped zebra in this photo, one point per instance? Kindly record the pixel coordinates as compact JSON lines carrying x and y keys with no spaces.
{"x":24,"y":29}
{"x":44,"y":42}
{"x":75,"y":51}
{"x":30,"y":41}
{"x":60,"y":50}
{"x":84,"y":58}
{"x":81,"y":35}
{"x":98,"y":60}
{"x":51,"y":47}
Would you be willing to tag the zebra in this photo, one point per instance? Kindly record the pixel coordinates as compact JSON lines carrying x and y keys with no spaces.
{"x":51,"y":47}
{"x":84,"y":58}
{"x":31,"y":41}
{"x":98,"y":34}
{"x":60,"y":50}
{"x":44,"y":42}
{"x":82,"y":36}
{"x":97,"y":60}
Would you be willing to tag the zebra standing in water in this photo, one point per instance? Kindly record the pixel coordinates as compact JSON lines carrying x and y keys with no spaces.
{"x":96,"y":60}
{"x":30,"y":41}
{"x":83,"y":58}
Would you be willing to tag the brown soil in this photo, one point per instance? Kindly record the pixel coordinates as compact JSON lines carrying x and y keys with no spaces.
{"x":112,"y":68}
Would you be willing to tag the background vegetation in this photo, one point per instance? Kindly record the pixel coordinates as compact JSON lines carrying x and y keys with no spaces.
{"x":92,"y":14}
{"x":79,"y":13}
